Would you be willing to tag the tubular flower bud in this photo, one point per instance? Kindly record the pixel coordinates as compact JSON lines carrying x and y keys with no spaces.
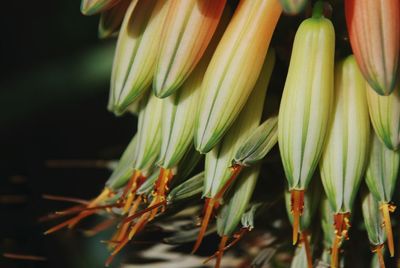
{"x":306,"y":105}
{"x":306,"y":100}
{"x":374,"y":31}
{"x":384,"y":112}
{"x":188,"y":29}
{"x":234,"y":69}
{"x":381,"y":176}
{"x":373,"y":221}
{"x":219,"y":173}
{"x":136,"y":52}
{"x":344,"y":156}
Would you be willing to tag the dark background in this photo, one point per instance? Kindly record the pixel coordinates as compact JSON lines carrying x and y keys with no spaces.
{"x":53,"y":93}
{"x":54,"y":84}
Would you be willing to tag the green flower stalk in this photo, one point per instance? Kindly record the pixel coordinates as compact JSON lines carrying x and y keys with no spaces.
{"x":306,"y":105}
{"x":381,"y":176}
{"x":110,"y":20}
{"x":345,"y":153}
{"x":219,"y":172}
{"x":136,"y":52}
{"x":91,"y":7}
{"x":372,"y":221}
{"x":293,"y":7}
{"x":384,"y":112}
{"x":234,"y":69}
{"x":188,"y":29}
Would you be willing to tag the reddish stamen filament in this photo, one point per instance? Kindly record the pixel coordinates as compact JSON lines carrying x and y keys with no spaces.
{"x":342,"y":225}
{"x":304,"y":239}
{"x":378,"y":249}
{"x":386,"y":208}
{"x":297,"y":206}
{"x":213,"y":203}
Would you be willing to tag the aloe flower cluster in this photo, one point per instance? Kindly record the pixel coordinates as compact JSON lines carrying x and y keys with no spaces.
{"x":196,"y":74}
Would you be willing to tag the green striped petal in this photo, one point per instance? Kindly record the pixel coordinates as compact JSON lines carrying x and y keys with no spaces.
{"x":372,"y":219}
{"x":149,"y":133}
{"x":219,"y":160}
{"x":258,"y":144}
{"x":345,"y":154}
{"x":187,"y":189}
{"x":234,"y":69}
{"x":179,"y":114}
{"x":232,"y":212}
{"x":384,"y":112}
{"x":136,"y":51}
{"x":306,"y":100}
{"x":382,"y":170}
{"x":187,"y":31}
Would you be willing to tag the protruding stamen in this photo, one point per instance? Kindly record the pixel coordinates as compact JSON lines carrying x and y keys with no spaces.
{"x":342,"y":225}
{"x":297,"y":206}
{"x":220,"y":253}
{"x":378,"y":249}
{"x":237,"y":236}
{"x":100,"y":227}
{"x":146,"y":215}
{"x":53,"y":216}
{"x":65,"y":199}
{"x":210,"y":203}
{"x":140,"y":224}
{"x":128,"y":195}
{"x":115,"y":252}
{"x":304,"y":239}
{"x":23,"y":257}
{"x":88,"y":210}
{"x":103,"y":196}
{"x":386,"y":208}
{"x":235,"y":171}
{"x":125,"y":225}
{"x":335,"y":252}
{"x":143,"y":211}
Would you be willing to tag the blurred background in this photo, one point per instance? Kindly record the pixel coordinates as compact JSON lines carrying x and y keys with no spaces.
{"x":53,"y":94}
{"x":58,"y":138}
